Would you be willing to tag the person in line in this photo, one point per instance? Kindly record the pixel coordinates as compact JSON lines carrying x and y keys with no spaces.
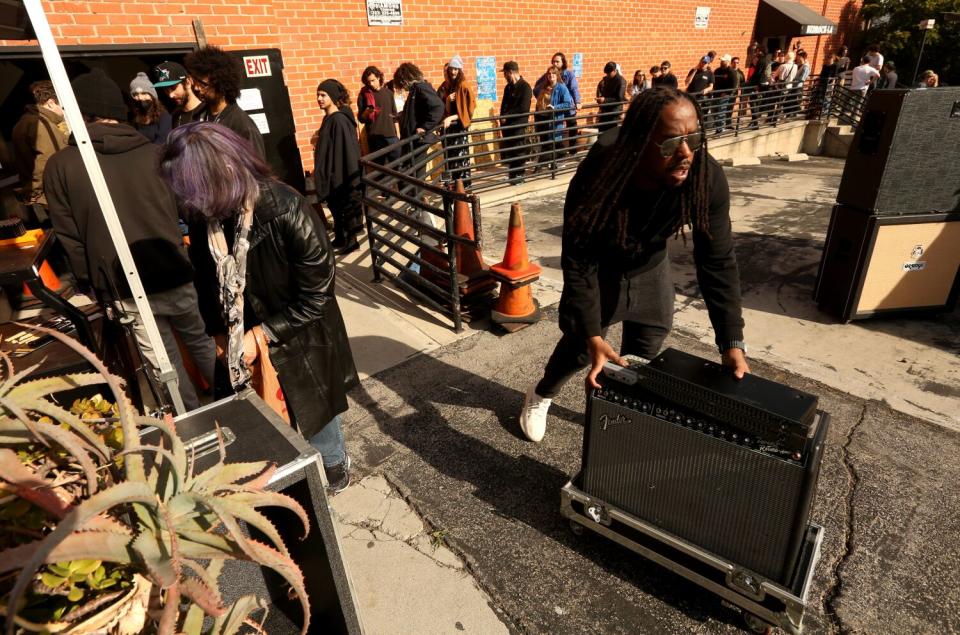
{"x":264,"y":267}
{"x":377,"y":111}
{"x":459,"y":102}
{"x":652,"y":75}
{"x":666,"y":78}
{"x":148,"y":214}
{"x":929,"y":79}
{"x":422,"y":112}
{"x":638,"y":85}
{"x":864,"y":77}
{"x":40,"y":133}
{"x":760,"y":89}
{"x":726,"y":83}
{"x":172,"y":79}
{"x":820,"y":101}
{"x":215,"y":76}
{"x":569,"y":79}
{"x":149,"y":116}
{"x":514,"y":116}
{"x":553,"y":103}
{"x":875,"y":57}
{"x":641,"y":183}
{"x":778,"y":58}
{"x":803,"y":74}
{"x":700,"y":78}
{"x":843,"y":61}
{"x":888,"y":76}
{"x":336,"y":165}
{"x":610,"y":96}
{"x":783,"y":80}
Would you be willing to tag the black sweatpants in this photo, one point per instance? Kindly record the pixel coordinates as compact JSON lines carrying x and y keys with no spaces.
{"x":645,"y":305}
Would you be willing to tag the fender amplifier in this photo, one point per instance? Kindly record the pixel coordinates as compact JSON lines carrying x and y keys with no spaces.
{"x":727,"y":491}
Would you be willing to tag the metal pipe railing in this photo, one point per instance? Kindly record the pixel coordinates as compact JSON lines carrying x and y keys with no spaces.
{"x":410,"y":200}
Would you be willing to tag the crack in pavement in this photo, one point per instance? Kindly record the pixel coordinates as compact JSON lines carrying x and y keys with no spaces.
{"x":833,"y":592}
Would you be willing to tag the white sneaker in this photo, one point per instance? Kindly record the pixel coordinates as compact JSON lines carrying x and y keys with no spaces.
{"x":533,"y":417}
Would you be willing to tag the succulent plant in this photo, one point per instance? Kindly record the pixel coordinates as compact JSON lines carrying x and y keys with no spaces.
{"x":93,"y":508}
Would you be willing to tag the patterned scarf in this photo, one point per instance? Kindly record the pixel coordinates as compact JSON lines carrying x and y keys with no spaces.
{"x":231,"y":276}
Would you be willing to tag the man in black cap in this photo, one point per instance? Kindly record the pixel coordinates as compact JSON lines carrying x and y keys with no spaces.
{"x":171,"y":78}
{"x":611,"y":93}
{"x":148,"y":215}
{"x":216,"y":76}
{"x":514,"y":117}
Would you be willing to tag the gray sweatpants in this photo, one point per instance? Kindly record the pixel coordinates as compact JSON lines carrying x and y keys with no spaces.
{"x":177,"y":314}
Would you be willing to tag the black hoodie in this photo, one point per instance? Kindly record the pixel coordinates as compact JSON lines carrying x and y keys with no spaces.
{"x":145,"y":206}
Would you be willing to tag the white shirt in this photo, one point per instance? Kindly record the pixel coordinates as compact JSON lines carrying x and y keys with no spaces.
{"x":786,"y":72}
{"x":862,"y":76}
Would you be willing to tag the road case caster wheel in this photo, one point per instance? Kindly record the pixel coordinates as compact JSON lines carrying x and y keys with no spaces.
{"x":576,"y":528}
{"x":757,"y":625}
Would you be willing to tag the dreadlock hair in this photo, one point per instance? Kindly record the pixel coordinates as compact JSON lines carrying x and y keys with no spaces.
{"x":605,"y":218}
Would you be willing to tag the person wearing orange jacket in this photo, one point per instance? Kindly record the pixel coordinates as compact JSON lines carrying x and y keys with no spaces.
{"x":459,"y":102}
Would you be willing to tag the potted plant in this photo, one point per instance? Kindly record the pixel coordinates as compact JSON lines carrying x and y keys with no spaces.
{"x":100,"y":533}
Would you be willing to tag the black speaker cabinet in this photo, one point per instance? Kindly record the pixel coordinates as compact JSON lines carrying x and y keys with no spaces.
{"x":905,"y":156}
{"x":875,"y":265}
{"x":704,"y":482}
{"x":253,"y":432}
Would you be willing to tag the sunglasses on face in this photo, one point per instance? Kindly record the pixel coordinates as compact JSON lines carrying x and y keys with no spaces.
{"x":670,"y":146}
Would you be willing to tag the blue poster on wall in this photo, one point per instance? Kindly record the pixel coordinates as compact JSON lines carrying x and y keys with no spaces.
{"x":578,"y":65}
{"x":487,"y":78}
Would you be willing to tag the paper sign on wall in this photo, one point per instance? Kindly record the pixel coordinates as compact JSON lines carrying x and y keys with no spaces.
{"x":260,"y":119}
{"x":257,"y":66}
{"x":578,"y":65}
{"x":702,"y":18}
{"x":384,"y":13}
{"x":487,"y":78}
{"x":250,"y":99}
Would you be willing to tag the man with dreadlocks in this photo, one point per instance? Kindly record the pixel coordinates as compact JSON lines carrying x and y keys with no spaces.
{"x":641,"y":183}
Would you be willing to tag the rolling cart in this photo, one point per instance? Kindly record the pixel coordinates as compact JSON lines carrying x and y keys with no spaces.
{"x":764,"y":604}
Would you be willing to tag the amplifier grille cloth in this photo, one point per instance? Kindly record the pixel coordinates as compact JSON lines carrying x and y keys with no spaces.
{"x":732,"y":501}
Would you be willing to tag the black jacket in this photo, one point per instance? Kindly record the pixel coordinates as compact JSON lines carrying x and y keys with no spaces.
{"x":145,"y":206}
{"x":516,"y":101}
{"x":236,"y":119}
{"x":423,"y":109}
{"x":290,"y":289}
{"x":652,"y":222}
{"x":336,"y":159}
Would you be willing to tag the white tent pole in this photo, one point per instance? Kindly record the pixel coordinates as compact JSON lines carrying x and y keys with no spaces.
{"x":71,"y":111}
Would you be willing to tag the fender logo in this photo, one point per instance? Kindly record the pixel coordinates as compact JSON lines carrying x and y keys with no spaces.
{"x":607,"y":421}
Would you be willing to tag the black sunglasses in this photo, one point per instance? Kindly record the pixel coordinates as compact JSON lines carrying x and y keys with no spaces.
{"x":669,"y":147}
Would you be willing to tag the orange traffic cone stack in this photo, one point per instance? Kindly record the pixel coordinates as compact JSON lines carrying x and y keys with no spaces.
{"x":516,"y":307}
{"x":475,"y":283}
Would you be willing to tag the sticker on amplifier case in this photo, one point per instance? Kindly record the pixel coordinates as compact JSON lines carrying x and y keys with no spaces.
{"x":916,"y":265}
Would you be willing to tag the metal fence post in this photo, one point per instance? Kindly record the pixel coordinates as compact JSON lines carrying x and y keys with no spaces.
{"x":452,"y":257}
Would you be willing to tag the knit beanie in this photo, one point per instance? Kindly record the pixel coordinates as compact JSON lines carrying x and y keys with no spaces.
{"x":333,"y":88}
{"x":142,"y":84}
{"x":99,"y":96}
{"x":456,"y":62}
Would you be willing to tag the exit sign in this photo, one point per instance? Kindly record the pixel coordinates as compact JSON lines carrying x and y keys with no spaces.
{"x":257,"y":66}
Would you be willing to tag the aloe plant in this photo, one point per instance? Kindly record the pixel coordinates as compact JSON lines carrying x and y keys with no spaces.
{"x":131,"y":514}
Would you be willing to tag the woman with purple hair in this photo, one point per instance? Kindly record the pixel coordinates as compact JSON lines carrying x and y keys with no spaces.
{"x":263,"y":263}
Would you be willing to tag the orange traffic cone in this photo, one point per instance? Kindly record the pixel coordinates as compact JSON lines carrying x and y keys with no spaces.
{"x":48,"y":277}
{"x":516,"y":307}
{"x":469,"y":259}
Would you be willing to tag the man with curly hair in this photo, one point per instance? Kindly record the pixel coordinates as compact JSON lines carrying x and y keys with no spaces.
{"x":215,"y":77}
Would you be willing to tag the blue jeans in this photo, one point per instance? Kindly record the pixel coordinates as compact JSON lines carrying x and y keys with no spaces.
{"x":329,"y":442}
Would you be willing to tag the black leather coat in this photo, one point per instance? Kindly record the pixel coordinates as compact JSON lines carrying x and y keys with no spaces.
{"x":290,"y":289}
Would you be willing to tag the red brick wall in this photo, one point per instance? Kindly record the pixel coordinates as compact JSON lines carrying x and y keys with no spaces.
{"x":331,"y":37}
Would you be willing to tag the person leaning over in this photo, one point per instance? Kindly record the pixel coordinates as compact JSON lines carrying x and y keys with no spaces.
{"x":148,"y":214}
{"x":514,"y":116}
{"x":215,"y":76}
{"x":265,"y":268}
{"x":641,"y":183}
{"x":422,"y":112}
